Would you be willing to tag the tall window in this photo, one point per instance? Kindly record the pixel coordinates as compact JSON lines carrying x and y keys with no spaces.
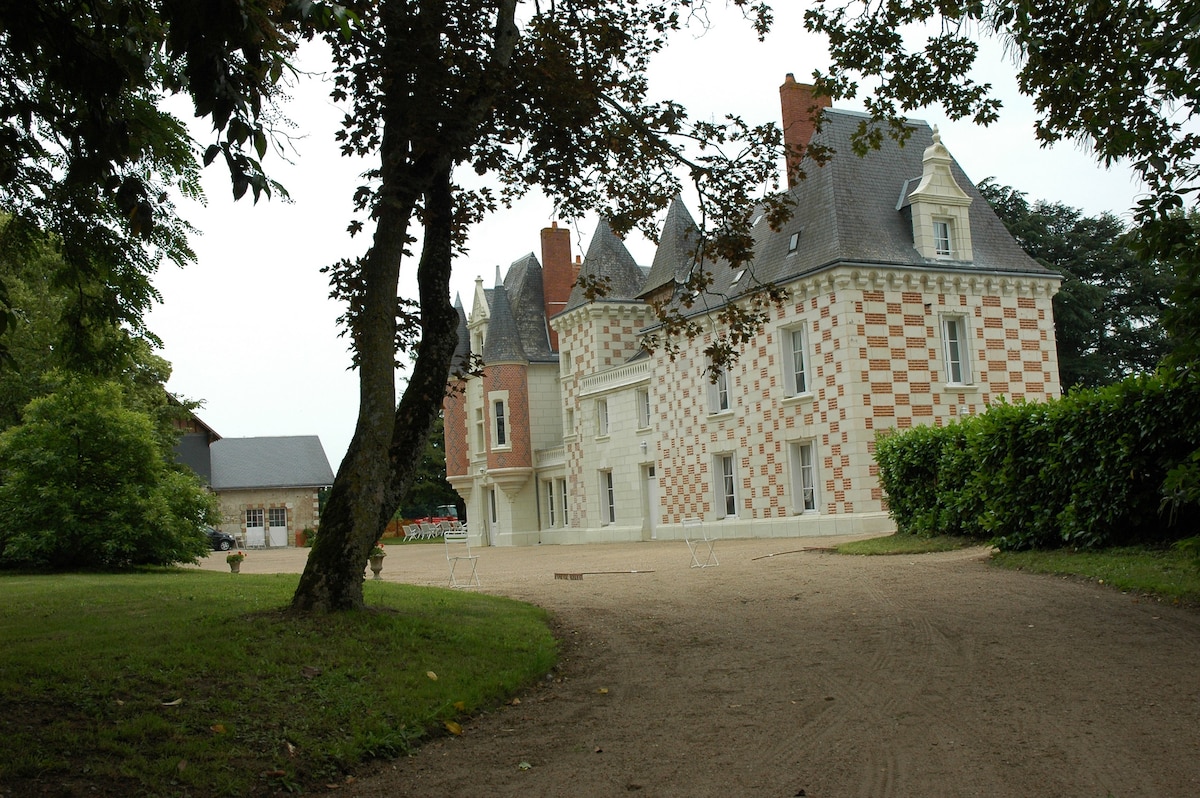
{"x":941,"y":237}
{"x":795,"y":359}
{"x":570,"y":422}
{"x":608,"y":498}
{"x":642,"y":399}
{"x":501,"y":431}
{"x":727,"y":485}
{"x":718,"y":393}
{"x":804,"y":477}
{"x":562,"y":497}
{"x":601,"y":417}
{"x":551,"y":506}
{"x":954,"y":339}
{"x":480,"y":436}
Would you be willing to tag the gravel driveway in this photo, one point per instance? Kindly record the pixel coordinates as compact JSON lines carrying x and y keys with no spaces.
{"x":788,"y":670}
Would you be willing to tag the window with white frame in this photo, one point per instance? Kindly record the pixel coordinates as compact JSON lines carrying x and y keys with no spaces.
{"x":570,"y":422}
{"x":493,"y":513}
{"x":562,"y":497}
{"x":943,"y":241}
{"x":564,"y":362}
{"x":608,"y":498}
{"x":254,"y":518}
{"x":601,"y":417}
{"x":718,"y":393}
{"x":277,"y":517}
{"x":480,"y":435}
{"x":641,"y":398}
{"x":795,"y":360}
{"x":551,"y":502}
{"x":727,"y":484}
{"x":954,"y":345}
{"x":804,"y":476}
{"x":499,"y":423}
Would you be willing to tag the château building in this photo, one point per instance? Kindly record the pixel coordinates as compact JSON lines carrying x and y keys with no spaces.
{"x":909,"y":303}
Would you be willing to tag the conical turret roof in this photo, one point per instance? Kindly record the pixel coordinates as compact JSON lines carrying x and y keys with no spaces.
{"x":676,"y":253}
{"x":608,"y":263}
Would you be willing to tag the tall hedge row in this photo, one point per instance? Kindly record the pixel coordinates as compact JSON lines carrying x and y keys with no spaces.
{"x":1083,"y":471}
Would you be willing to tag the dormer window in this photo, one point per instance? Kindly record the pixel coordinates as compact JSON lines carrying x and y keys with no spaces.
{"x":939,"y":209}
{"x":794,"y":242}
{"x":941,"y":237}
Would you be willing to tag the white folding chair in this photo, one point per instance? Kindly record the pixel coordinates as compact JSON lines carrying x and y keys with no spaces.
{"x":458,"y":549}
{"x":699,"y":543}
{"x":431,"y":530}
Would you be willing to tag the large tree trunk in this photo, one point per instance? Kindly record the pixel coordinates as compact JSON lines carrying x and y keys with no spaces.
{"x":418,"y":150}
{"x":384,"y":452}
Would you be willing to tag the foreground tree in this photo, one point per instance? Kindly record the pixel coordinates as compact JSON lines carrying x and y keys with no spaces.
{"x":87,"y":156}
{"x":40,"y":349}
{"x":1108,"y":315}
{"x":557,"y":100}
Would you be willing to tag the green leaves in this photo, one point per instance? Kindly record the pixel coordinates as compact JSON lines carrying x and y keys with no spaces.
{"x":85,"y":483}
{"x":1086,"y":471}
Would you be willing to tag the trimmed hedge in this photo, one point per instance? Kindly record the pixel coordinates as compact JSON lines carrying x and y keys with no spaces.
{"x":1084,"y":471}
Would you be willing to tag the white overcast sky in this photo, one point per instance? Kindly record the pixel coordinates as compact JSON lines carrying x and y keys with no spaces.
{"x":250,"y":331}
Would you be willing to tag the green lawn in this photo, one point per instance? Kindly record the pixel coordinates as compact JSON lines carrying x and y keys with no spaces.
{"x":1165,"y":573}
{"x":195,"y":682}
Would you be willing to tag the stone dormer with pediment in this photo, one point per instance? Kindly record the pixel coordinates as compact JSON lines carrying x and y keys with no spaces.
{"x":939,"y":208}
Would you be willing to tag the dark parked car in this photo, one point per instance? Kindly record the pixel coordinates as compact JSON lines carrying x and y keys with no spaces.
{"x":221,"y":541}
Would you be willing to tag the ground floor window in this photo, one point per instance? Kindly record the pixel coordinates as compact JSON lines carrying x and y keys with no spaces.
{"x":562,"y":497}
{"x":727,"y":485}
{"x":804,"y":477}
{"x":277,"y":517}
{"x":608,"y":498}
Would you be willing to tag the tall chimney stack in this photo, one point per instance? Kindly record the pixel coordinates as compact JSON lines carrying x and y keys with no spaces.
{"x":800,"y":113}
{"x":558,"y":273}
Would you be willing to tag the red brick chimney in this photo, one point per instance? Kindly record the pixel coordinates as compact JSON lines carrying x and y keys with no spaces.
{"x":800,"y":112}
{"x":558,"y":273}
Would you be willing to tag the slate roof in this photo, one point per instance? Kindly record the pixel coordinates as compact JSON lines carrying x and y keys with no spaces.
{"x":527,"y":301}
{"x":850,"y":211}
{"x":675,"y":255}
{"x":503,"y":335}
{"x":462,"y":352}
{"x":608,"y":260}
{"x":296,"y":461}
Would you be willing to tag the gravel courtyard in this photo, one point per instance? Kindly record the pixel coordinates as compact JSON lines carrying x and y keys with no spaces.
{"x":788,"y":670}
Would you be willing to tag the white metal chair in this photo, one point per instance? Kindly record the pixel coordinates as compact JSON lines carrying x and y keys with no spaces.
{"x":458,"y":549}
{"x":431,"y":530}
{"x":699,"y":543}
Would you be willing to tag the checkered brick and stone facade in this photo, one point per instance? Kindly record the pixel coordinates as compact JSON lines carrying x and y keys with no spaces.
{"x":908,"y":303}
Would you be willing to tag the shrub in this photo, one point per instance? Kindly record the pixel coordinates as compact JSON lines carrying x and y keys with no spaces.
{"x":84,"y":483}
{"x":1096,"y":468}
